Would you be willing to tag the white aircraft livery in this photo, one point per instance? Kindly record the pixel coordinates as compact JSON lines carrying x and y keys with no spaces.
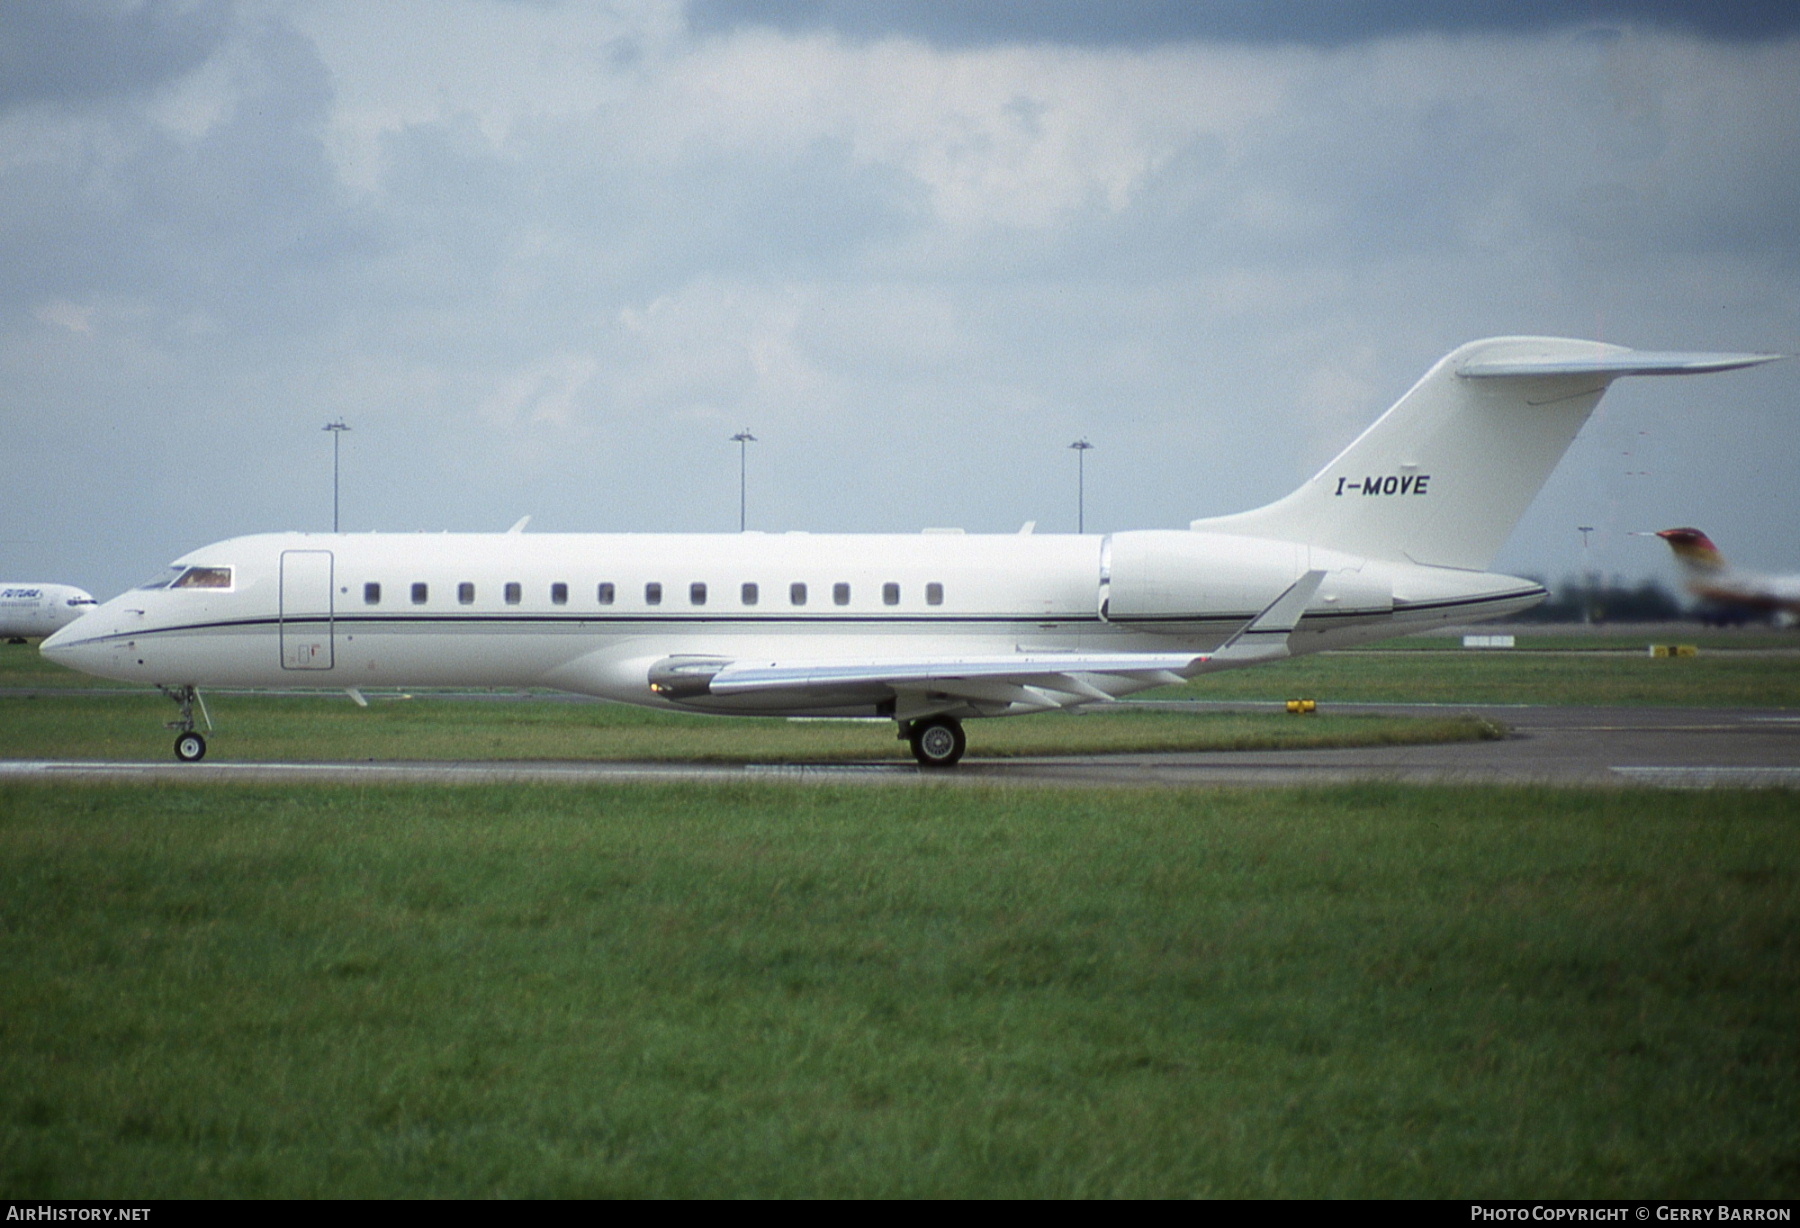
{"x":39,"y":609}
{"x":928,"y":630}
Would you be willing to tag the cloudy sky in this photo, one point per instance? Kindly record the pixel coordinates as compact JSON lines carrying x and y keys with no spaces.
{"x":547,"y":258}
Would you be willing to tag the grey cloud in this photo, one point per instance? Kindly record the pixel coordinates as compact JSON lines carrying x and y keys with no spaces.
{"x":65,"y":51}
{"x":1140,"y":23}
{"x":231,"y":222}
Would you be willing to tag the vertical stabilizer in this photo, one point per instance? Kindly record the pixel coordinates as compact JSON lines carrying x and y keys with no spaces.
{"x":1694,"y":550}
{"x":1443,"y":477}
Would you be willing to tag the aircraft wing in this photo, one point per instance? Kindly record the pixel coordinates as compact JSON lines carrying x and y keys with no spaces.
{"x":1048,"y":680}
{"x":1019,"y":680}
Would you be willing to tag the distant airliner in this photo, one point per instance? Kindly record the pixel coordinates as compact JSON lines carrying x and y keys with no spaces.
{"x":1711,"y":578}
{"x":1393,"y":536}
{"x":39,"y":609}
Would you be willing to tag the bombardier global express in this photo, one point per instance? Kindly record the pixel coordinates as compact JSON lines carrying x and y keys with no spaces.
{"x":1393,"y":536}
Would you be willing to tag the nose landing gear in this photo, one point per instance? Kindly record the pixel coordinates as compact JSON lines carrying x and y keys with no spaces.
{"x":937,"y":741}
{"x":190,"y":746}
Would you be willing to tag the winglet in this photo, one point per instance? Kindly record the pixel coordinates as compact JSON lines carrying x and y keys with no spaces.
{"x":1266,"y":636}
{"x":519,"y":527}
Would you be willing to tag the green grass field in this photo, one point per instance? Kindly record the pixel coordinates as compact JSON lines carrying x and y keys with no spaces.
{"x":781,"y":991}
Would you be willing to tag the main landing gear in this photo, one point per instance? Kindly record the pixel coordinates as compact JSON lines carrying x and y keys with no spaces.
{"x":937,"y":741}
{"x":190,"y":746}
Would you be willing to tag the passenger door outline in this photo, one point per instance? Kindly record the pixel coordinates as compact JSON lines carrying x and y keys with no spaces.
{"x":308,"y":613}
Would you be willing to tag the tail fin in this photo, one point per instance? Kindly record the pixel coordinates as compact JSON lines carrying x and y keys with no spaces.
{"x":1694,"y":549}
{"x":1443,"y":477}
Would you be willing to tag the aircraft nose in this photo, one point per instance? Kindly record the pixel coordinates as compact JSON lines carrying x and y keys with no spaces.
{"x":65,"y":645}
{"x":56,"y":645}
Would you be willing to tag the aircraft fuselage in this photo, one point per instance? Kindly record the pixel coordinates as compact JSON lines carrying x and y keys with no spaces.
{"x":596,"y":613}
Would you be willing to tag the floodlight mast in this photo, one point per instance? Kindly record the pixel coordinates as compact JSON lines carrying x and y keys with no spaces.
{"x":1082,"y":447}
{"x":336,"y":428}
{"x":743,"y":439}
{"x":1587,"y":566}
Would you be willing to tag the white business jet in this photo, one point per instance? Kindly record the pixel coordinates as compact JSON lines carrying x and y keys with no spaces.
{"x":39,"y":609}
{"x":1393,"y":536}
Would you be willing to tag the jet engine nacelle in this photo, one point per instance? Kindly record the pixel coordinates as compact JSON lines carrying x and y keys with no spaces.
{"x":1177,"y":577}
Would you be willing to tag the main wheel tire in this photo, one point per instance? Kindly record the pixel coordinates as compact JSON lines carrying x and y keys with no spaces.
{"x":190,"y":748}
{"x":938,"y":742}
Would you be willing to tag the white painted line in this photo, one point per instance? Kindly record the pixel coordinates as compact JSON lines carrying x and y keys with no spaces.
{"x":1714,"y":777}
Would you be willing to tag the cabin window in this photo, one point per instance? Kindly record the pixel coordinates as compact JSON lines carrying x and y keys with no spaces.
{"x":559,"y":594}
{"x":890,"y":593}
{"x":465,"y":593}
{"x":697,"y":593}
{"x":420,"y":592}
{"x":371,"y":593}
{"x":797,"y":594}
{"x":513,"y":592}
{"x":605,"y":593}
{"x":653,"y":593}
{"x":750,"y":594}
{"x":934,"y":593}
{"x":840,"y":593}
{"x":204,"y":577}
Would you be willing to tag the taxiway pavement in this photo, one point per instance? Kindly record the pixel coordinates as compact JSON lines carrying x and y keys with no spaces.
{"x":1671,"y":747}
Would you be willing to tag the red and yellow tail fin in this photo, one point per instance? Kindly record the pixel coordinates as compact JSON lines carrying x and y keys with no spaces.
{"x":1694,"y":549}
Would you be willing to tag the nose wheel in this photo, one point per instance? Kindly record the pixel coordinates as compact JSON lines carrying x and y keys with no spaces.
{"x":190,"y":747}
{"x":937,"y":742}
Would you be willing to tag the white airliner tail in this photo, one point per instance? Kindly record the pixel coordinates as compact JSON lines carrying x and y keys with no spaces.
{"x":1443,"y":477}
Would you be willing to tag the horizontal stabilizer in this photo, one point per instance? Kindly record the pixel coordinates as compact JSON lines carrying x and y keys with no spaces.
{"x":1613,"y":366}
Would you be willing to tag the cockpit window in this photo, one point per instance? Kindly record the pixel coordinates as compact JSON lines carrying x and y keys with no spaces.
{"x":164,"y":580}
{"x":203,"y":577}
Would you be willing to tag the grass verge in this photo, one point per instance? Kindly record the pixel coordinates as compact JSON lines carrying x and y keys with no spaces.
{"x":1455,"y":676}
{"x":771,"y":991}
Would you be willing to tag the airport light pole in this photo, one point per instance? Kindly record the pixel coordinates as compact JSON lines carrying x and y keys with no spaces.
{"x":1587,"y":566}
{"x":743,"y":439}
{"x":1082,"y":447}
{"x":336,"y":428}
